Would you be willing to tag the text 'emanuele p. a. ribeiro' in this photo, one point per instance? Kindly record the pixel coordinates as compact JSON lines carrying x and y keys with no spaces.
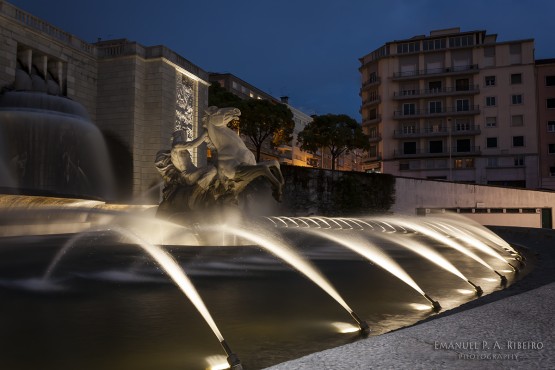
{"x":485,"y":345}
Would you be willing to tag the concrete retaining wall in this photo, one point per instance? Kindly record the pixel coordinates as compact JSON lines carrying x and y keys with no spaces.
{"x":322,"y":192}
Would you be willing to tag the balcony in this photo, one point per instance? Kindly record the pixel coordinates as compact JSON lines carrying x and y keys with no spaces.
{"x":449,"y":71}
{"x":376,"y":138}
{"x":463,"y":130}
{"x":371,"y":101}
{"x":442,"y":112}
{"x":420,"y":153}
{"x":445,"y":91}
{"x":371,"y":82}
{"x":373,"y":120}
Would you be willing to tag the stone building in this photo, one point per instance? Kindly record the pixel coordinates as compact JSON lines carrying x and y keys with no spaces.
{"x":452,"y":105}
{"x":136,"y":95}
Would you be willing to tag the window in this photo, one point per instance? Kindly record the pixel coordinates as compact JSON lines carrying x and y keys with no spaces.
{"x":550,"y":126}
{"x":409,"y":128}
{"x":551,"y":171}
{"x":491,"y":142}
{"x":403,"y":166}
{"x":373,"y":114}
{"x":490,"y":80}
{"x":434,"y":44}
{"x":489,"y":51}
{"x":518,"y":141}
{"x":373,"y":151}
{"x":492,"y":162}
{"x":462,"y":124}
{"x":551,"y":148}
{"x":461,"y":41}
{"x":517,"y":120}
{"x":435,"y":106}
{"x":516,"y":78}
{"x":463,"y":105}
{"x":491,"y":121}
{"x":436,"y":146}
{"x":434,"y":86}
{"x":490,"y":101}
{"x":408,"y":47}
{"x":373,"y":132}
{"x":549,"y":80}
{"x":518,"y":160}
{"x":463,"y":146}
{"x":464,"y":163}
{"x":550,"y":103}
{"x":516,"y":99}
{"x":409,"y":147}
{"x":462,"y":84}
{"x":409,"y":109}
{"x":435,"y":126}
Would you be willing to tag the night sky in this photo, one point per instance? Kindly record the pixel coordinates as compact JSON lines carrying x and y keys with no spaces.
{"x":305,"y":49}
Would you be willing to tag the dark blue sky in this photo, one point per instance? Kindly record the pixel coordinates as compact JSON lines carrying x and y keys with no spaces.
{"x":306,"y":49}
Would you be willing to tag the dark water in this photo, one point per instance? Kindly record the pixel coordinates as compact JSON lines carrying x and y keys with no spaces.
{"x":115,"y":309}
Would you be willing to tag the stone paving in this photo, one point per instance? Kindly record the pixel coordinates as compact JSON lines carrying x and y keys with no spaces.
{"x":512,"y":329}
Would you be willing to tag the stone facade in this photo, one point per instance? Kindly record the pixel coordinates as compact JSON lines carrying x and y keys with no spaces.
{"x":129,"y":91}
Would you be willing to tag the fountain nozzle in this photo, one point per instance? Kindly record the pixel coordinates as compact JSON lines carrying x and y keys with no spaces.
{"x":363,"y":325}
{"x":515,"y":269}
{"x":232,"y":358}
{"x":435,"y":304}
{"x":477,"y":289}
{"x":503,"y":278}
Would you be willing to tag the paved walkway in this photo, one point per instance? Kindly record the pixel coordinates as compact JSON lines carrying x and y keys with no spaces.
{"x":514,"y":329}
{"x":514,"y":333}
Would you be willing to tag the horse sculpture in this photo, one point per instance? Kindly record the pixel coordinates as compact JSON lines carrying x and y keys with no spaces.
{"x":190,"y":188}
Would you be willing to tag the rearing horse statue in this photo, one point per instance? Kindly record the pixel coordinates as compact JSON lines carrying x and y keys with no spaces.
{"x":234,"y":168}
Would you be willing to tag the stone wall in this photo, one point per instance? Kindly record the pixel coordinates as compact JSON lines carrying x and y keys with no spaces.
{"x":310,"y":191}
{"x":22,"y":32}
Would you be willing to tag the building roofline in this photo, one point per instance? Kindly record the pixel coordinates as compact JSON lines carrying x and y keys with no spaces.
{"x":215,"y":75}
{"x":545,"y":61}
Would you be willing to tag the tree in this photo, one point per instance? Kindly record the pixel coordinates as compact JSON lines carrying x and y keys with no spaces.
{"x":264,"y":119}
{"x":338,"y":133}
{"x":220,"y":97}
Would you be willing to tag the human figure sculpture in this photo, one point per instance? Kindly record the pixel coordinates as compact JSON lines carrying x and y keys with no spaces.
{"x":190,"y":188}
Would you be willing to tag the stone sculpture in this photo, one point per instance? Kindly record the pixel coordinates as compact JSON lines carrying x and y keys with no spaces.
{"x":191,"y":188}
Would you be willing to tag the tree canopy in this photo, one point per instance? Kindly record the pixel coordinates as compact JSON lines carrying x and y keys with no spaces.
{"x":337,"y":133}
{"x":263,"y":120}
{"x":260,"y":120}
{"x":220,"y":97}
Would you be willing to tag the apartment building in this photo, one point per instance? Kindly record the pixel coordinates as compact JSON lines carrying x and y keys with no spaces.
{"x":545,"y":83}
{"x":452,"y":105}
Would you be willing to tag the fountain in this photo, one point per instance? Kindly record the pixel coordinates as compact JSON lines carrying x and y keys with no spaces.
{"x":54,"y":148}
{"x":264,"y":281}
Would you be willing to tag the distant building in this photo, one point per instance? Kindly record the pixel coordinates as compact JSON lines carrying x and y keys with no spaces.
{"x":545,"y":74}
{"x":288,"y":153}
{"x":137,"y":95}
{"x":452,"y":105}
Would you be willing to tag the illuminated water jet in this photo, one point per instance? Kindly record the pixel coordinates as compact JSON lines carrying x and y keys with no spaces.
{"x":430,"y":255}
{"x":285,"y":253}
{"x":174,"y":271}
{"x":370,"y":252}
